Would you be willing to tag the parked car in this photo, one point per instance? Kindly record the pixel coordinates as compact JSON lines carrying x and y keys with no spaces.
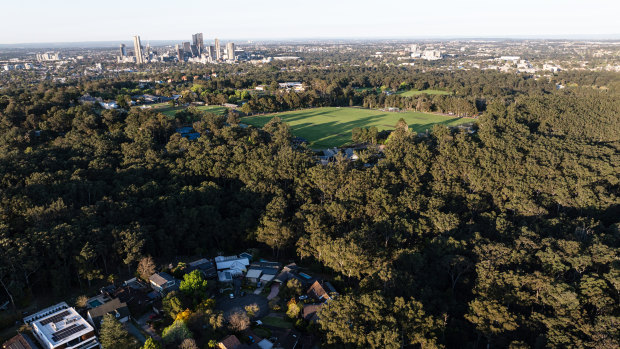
{"x":258,"y":322}
{"x":303,"y":297}
{"x":232,"y":295}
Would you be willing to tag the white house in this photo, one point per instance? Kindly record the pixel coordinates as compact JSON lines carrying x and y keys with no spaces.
{"x":60,"y":326}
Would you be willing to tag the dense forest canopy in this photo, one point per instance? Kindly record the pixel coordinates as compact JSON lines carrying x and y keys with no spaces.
{"x":508,"y":236}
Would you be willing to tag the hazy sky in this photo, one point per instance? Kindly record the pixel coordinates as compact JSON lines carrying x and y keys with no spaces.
{"x":72,"y":20}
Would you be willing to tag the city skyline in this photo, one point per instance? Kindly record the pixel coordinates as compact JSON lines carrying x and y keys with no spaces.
{"x":321,"y":20}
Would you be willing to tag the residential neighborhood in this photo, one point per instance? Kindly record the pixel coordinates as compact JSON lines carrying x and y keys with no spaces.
{"x":278,"y":306}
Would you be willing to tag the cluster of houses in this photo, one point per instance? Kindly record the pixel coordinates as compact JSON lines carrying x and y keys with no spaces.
{"x":144,"y":99}
{"x":63,"y":327}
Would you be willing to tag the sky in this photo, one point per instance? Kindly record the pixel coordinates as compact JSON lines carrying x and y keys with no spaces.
{"x":43,"y":21}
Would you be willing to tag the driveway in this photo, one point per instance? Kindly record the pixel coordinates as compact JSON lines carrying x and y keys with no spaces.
{"x":134,"y":331}
{"x":275,"y":289}
{"x":229,"y":306}
{"x":146,"y":327}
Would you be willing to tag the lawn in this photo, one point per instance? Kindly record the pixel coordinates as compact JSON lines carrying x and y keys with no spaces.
{"x":276,"y":322}
{"x":331,"y":127}
{"x":169,"y":111}
{"x":417,"y":92}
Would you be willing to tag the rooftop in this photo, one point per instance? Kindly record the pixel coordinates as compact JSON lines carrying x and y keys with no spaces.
{"x":59,"y":324}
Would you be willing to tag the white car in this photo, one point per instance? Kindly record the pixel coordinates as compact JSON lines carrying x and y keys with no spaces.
{"x":232,"y":295}
{"x":303,"y":297}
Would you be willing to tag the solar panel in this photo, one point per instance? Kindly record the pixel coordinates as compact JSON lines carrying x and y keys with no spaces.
{"x":66,"y":332}
{"x":55,"y":318}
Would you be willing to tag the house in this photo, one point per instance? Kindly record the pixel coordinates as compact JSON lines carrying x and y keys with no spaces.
{"x":114,"y":307}
{"x":224,"y":276}
{"x":246,"y":255}
{"x":206,"y":267}
{"x":289,"y":271}
{"x":268,"y":270}
{"x":162,"y":282}
{"x":232,"y":264}
{"x":265,"y":344}
{"x":321,"y":291}
{"x":310,"y":312}
{"x":133,"y":292}
{"x":230,"y":342}
{"x":21,"y":341}
{"x":108,"y":105}
{"x":350,"y":154}
{"x":253,"y":275}
{"x":61,"y":327}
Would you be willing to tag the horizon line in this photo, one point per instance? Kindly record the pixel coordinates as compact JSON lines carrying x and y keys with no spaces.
{"x":615,"y":36}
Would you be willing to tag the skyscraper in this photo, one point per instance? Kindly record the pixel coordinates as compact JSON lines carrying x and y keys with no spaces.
{"x":137,"y":46}
{"x":198,"y":41}
{"x":230,"y":51}
{"x":187,"y":47}
{"x":218,"y":52}
{"x":123,"y":50}
{"x":179,"y":51}
{"x":212,"y":52}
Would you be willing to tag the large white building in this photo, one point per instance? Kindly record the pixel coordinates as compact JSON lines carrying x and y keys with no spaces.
{"x":431,"y":55}
{"x":61,"y":327}
{"x":48,"y":56}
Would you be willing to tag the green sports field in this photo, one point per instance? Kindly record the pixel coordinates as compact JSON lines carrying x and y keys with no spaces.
{"x":331,"y":127}
{"x":417,"y":92}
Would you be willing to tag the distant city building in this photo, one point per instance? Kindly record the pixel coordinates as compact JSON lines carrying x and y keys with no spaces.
{"x":198,"y":41}
{"x":211,"y":52}
{"x":230,"y":51}
{"x":194,"y":50}
{"x":431,"y":55}
{"x":218,"y":51}
{"x":187,"y":47}
{"x":48,"y":56}
{"x":510,"y":58}
{"x":123,"y":50}
{"x":137,"y":46}
{"x":179,"y":52}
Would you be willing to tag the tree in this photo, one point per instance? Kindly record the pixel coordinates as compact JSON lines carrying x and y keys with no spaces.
{"x":146,"y":268}
{"x":293,"y":309}
{"x":114,"y":336}
{"x":151,"y":344}
{"x":188,"y":343}
{"x":194,"y":286}
{"x":293,"y":288}
{"x":81,"y":301}
{"x":86,"y":266}
{"x":251,"y":309}
{"x":172,"y":305}
{"x":131,"y":242}
{"x":238,"y":321}
{"x":177,"y":332}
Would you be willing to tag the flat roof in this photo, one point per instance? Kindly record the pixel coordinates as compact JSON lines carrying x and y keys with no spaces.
{"x":59,"y":324}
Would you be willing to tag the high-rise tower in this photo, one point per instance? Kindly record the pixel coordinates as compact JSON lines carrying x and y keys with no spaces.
{"x":199,"y":42}
{"x":123,"y":50}
{"x":137,"y":46}
{"x":218,"y":51}
{"x":230,"y":51}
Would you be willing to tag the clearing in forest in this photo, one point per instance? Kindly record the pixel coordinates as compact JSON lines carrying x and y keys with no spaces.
{"x":331,"y":126}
